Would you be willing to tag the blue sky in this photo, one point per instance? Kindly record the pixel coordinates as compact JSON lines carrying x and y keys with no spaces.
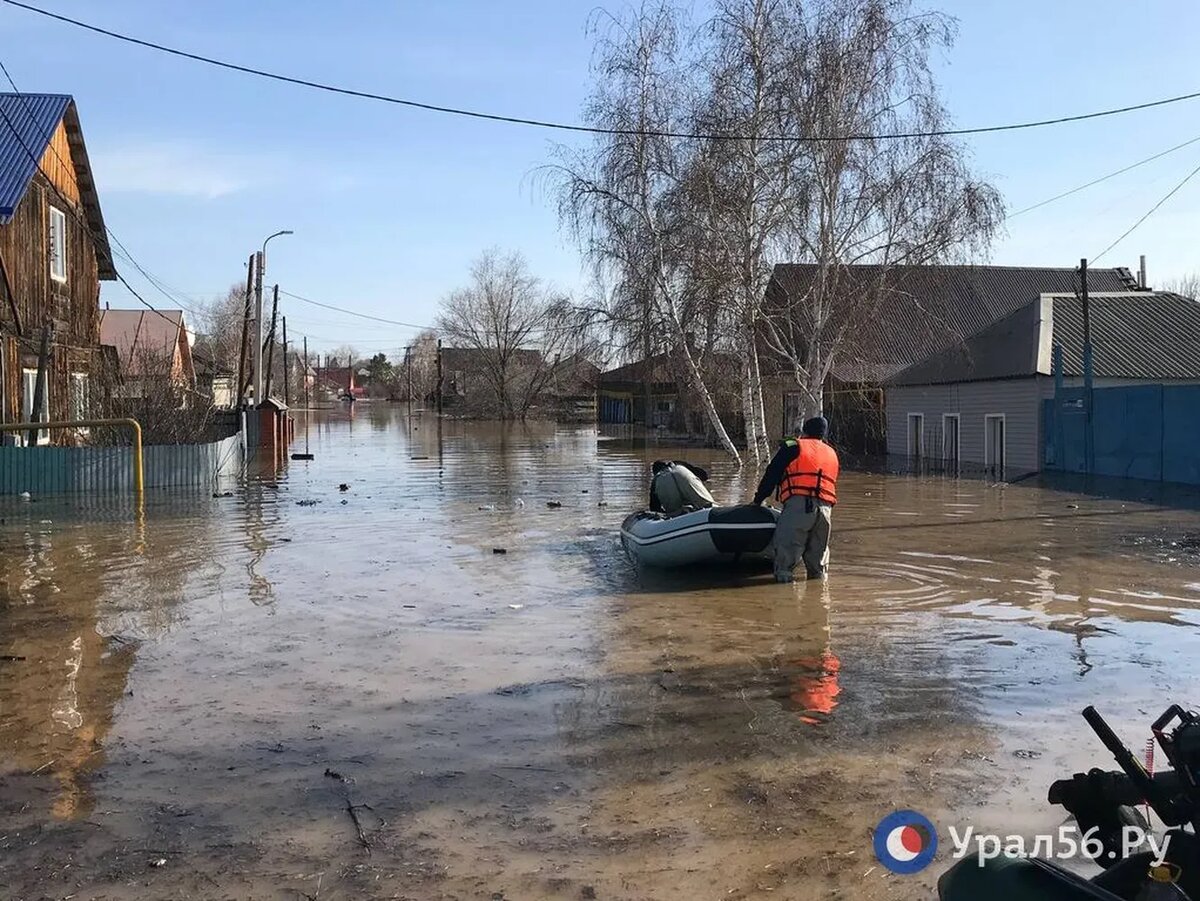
{"x":196,"y":165}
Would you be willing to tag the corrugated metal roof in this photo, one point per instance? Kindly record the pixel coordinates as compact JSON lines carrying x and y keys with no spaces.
{"x":27,"y":122}
{"x":1153,"y":336}
{"x":920,"y":310}
{"x":1143,"y":336}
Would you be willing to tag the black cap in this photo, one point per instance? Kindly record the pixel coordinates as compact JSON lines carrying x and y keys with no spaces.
{"x":817,"y":427}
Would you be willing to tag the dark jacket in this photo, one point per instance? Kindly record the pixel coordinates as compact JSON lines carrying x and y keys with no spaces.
{"x":655,"y":504}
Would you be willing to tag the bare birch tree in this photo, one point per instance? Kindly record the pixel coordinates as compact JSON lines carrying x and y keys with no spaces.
{"x":619,"y":197}
{"x":861,"y":77}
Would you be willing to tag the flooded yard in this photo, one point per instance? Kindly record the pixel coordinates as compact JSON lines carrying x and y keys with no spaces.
{"x":297,"y":691}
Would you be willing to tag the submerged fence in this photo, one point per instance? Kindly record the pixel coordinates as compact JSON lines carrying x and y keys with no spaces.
{"x":94,"y":470}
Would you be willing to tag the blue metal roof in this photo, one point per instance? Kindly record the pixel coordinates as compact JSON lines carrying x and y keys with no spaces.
{"x":27,"y":122}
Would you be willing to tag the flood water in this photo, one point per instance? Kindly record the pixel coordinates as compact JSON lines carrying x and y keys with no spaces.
{"x":297,"y":691}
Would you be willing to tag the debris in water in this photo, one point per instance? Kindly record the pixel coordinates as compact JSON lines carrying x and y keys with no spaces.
{"x":160,"y":862}
{"x":553,"y":505}
{"x":311,"y":502}
{"x":343,"y":487}
{"x":222,"y":494}
{"x":499,"y":550}
{"x":520,"y":504}
{"x":11,"y":658}
{"x":334,"y":774}
{"x":488,"y":508}
{"x":1026,"y":754}
{"x":25,"y":495}
{"x":516,"y":606}
{"x":588,"y":892}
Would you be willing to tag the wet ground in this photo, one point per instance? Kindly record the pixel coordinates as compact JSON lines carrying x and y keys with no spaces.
{"x":302,"y":692}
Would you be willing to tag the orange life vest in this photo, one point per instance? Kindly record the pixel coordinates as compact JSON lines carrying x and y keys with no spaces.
{"x":813,"y":473}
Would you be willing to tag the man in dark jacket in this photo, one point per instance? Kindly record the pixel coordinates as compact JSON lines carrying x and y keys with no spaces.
{"x":803,"y":473}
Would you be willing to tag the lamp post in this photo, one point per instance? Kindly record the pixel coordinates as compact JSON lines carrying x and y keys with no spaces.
{"x":259,"y":381}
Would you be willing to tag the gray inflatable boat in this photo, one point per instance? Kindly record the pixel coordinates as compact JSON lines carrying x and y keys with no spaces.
{"x":712,"y":534}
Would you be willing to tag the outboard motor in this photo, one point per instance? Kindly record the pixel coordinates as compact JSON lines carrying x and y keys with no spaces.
{"x":1104,"y":803}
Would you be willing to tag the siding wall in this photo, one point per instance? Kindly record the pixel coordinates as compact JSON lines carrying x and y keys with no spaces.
{"x":1017,"y":399}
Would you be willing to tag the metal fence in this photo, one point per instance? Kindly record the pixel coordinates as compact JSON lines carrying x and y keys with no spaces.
{"x":1138,"y":432}
{"x":98,"y":470}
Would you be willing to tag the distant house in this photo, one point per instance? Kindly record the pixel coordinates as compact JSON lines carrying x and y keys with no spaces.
{"x":918,"y":311}
{"x":53,"y":254}
{"x":340,"y":381}
{"x":621,"y":394}
{"x":982,"y":402}
{"x":150,"y":346}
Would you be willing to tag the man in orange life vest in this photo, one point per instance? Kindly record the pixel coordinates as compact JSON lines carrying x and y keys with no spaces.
{"x":803,"y":474}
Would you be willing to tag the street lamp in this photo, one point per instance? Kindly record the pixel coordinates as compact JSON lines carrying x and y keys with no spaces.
{"x":259,"y":382}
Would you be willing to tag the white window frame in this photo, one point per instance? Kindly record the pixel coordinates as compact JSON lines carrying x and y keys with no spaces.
{"x":43,"y":436}
{"x":58,"y":244}
{"x":988,"y":462}
{"x":78,"y":379}
{"x":920,"y":454}
{"x":946,"y":457}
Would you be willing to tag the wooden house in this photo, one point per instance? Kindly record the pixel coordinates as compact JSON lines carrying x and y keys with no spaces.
{"x":53,"y":254}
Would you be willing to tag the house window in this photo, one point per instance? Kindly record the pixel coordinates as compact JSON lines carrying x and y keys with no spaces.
{"x":80,"y":396}
{"x":916,"y":435}
{"x":28,"y":389}
{"x":951,"y":443}
{"x":994,"y":448}
{"x":58,"y":245}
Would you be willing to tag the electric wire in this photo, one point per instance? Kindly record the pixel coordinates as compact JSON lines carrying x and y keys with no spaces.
{"x":585,"y":129}
{"x":1150,"y":212}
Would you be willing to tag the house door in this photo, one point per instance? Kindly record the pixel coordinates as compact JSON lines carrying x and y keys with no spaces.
{"x":994,"y":444}
{"x":916,"y":436}
{"x":950,"y":441}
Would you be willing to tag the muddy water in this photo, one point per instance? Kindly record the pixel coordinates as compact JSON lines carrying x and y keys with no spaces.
{"x":296,"y":691}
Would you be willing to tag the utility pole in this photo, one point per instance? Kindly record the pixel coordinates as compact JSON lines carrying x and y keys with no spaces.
{"x":287,"y":399}
{"x":258,"y":329}
{"x":270,"y":370}
{"x":306,"y":403}
{"x":242,"y":380}
{"x":439,"y":377}
{"x":1089,"y":449}
{"x":408,"y":364}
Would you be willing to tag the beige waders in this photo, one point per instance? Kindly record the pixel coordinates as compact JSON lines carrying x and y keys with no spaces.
{"x":802,"y":533}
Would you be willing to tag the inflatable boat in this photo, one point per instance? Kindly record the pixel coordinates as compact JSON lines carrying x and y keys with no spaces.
{"x":708,"y":535}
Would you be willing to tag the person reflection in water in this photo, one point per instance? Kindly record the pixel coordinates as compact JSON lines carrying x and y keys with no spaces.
{"x":815,"y":689}
{"x":814,"y":686}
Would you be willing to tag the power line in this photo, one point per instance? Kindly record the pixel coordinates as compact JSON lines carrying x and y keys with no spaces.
{"x":329,"y":306}
{"x":563,"y":126}
{"x":1148,"y":213}
{"x":1102,"y":178}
